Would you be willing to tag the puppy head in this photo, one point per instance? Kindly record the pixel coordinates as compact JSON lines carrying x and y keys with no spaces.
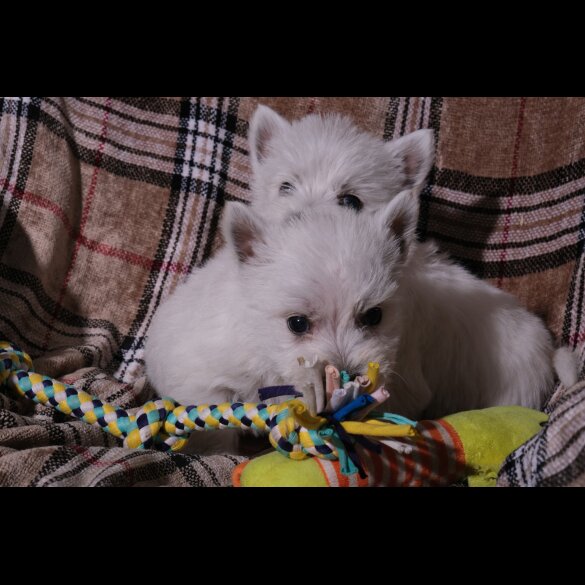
{"x":323,"y":284}
{"x":327,"y":162}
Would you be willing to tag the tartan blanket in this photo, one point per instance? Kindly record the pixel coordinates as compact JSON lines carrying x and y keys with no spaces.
{"x":108,"y":203}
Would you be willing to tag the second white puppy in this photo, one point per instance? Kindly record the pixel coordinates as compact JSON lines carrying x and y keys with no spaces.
{"x":324,"y":162}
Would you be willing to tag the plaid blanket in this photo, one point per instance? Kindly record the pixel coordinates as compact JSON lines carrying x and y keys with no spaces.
{"x":107,"y":203}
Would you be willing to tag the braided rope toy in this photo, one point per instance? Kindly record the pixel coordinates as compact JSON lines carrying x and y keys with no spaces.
{"x":166,"y":425}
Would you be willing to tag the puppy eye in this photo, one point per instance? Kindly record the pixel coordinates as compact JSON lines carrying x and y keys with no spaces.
{"x":371,"y":317}
{"x":298,"y":324}
{"x":286,"y":188}
{"x":351,"y":201}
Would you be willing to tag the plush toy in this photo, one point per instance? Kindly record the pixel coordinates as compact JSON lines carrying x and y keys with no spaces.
{"x":470,"y":445}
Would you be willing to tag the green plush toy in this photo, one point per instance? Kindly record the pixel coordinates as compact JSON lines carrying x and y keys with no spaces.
{"x":472,"y":445}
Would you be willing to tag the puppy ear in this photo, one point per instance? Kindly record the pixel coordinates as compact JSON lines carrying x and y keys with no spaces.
{"x":264,"y":125}
{"x":400,"y":218}
{"x":242,"y":230}
{"x":417,"y":153}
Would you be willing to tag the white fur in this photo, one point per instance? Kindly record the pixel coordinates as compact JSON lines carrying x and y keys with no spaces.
{"x":566,"y":365}
{"x":323,"y":157}
{"x":447,"y":341}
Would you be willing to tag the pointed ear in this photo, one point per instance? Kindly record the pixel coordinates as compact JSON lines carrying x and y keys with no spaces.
{"x":416,"y":151}
{"x":264,"y":125}
{"x":241,"y":230}
{"x":400,"y":218}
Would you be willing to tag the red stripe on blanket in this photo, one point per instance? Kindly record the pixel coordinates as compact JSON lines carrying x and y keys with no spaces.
{"x":84,"y":218}
{"x":91,"y":459}
{"x":93,"y":245}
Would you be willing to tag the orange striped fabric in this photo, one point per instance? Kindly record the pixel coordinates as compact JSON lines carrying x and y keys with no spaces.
{"x":436,"y":459}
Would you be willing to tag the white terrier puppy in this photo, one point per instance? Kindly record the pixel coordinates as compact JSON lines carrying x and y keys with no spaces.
{"x":348,"y":289}
{"x":318,"y":162}
{"x":325,"y":162}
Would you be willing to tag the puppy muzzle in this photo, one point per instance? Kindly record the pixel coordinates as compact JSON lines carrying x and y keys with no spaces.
{"x":309,"y":381}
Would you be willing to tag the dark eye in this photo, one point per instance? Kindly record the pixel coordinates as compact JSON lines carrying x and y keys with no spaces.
{"x":286,"y":188}
{"x":371,"y":317}
{"x":298,"y":324}
{"x":351,"y":201}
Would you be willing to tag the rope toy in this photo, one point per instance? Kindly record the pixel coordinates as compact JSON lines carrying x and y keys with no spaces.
{"x":166,"y":425}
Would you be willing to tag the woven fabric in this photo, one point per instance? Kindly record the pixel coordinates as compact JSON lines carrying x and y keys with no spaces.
{"x":107,"y":203}
{"x":556,"y":456}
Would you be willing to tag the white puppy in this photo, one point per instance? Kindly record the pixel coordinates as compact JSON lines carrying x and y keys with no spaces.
{"x":323,"y":161}
{"x":347,"y":288}
{"x":326,"y":162}
{"x":316,"y":162}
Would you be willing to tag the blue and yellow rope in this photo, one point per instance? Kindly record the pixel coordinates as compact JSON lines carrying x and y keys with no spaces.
{"x":166,"y":425}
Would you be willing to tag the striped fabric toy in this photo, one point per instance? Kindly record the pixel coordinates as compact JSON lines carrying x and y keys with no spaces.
{"x":437,"y":458}
{"x":469,"y":446}
{"x":166,"y":425}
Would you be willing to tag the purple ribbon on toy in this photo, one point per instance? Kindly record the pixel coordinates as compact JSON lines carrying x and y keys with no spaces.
{"x":277,"y":391}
